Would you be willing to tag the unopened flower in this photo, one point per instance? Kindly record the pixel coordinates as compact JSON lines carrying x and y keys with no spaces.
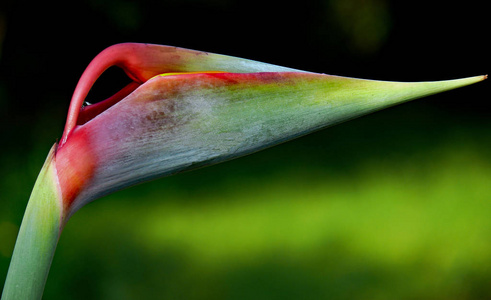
{"x":184,"y":109}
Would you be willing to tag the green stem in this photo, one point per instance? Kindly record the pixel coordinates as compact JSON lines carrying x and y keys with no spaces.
{"x":37,"y":239}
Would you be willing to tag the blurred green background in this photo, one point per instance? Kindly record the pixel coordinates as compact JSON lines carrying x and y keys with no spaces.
{"x":395,"y":205}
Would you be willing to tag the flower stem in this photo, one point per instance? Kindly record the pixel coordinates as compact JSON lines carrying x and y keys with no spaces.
{"x":37,"y":238}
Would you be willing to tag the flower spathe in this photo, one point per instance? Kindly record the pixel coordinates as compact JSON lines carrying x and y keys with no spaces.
{"x":183,"y":109}
{"x":187,"y":109}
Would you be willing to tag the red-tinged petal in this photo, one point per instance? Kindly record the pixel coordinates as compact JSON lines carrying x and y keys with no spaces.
{"x":144,"y":61}
{"x":75,"y":166}
{"x":183,"y":121}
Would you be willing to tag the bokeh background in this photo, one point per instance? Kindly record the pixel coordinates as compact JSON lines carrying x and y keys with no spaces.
{"x":394,"y":205}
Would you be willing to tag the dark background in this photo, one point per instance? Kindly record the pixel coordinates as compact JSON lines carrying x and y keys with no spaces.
{"x":439,"y":146}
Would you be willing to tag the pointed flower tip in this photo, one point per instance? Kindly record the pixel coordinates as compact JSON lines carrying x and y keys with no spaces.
{"x":458,"y":83}
{"x":480,"y":78}
{"x":474,"y":79}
